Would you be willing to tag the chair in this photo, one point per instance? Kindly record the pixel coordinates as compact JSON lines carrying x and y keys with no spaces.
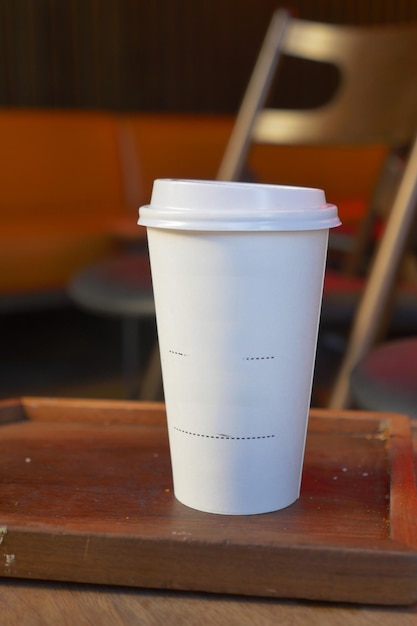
{"x":379,"y":289}
{"x":122,"y":287}
{"x":386,"y":378}
{"x":375,"y":104}
{"x":151,"y":146}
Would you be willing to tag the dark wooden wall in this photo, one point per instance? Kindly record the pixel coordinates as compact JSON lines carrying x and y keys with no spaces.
{"x":151,"y":55}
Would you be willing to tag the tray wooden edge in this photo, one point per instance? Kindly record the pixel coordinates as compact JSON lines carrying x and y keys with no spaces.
{"x":81,"y":410}
{"x":403,"y":492}
{"x":401,"y":546}
{"x":280,"y":571}
{"x":44,"y":408}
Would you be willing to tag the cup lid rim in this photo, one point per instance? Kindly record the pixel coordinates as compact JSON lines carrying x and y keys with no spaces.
{"x":188,"y":204}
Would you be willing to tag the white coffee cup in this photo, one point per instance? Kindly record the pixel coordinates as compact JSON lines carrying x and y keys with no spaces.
{"x":237,"y":272}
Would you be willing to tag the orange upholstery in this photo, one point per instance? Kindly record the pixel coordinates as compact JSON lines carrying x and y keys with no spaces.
{"x":59,"y":158}
{"x":178,"y":146}
{"x":62,"y":186}
{"x":71,"y":182}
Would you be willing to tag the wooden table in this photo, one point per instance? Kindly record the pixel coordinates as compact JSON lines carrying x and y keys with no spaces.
{"x":39,"y":604}
{"x":35,"y":603}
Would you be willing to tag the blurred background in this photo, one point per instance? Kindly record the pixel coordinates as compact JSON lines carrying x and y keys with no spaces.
{"x":161,"y":67}
{"x":164,"y":56}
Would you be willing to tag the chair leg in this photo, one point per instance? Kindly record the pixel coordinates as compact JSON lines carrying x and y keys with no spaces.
{"x":130,"y":355}
{"x":152,"y":384}
{"x":254,"y":98}
{"x":381,"y":281}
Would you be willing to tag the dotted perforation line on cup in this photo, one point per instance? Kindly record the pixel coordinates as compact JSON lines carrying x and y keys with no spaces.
{"x":220,"y":436}
{"x":245,"y":358}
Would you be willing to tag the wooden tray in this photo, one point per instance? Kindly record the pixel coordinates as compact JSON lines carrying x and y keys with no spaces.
{"x":86,"y":496}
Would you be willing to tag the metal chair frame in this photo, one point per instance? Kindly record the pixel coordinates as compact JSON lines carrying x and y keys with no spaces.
{"x":376,"y":103}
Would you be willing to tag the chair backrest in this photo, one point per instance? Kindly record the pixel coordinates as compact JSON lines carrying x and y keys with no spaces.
{"x":375,"y":101}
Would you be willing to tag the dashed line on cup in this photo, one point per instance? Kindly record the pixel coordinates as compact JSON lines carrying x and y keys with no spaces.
{"x":221,"y":436}
{"x":245,"y":358}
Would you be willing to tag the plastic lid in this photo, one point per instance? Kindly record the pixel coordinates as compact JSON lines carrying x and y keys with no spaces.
{"x":231,"y":206}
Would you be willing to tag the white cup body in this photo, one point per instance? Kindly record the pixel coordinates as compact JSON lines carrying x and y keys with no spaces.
{"x":237,"y":315}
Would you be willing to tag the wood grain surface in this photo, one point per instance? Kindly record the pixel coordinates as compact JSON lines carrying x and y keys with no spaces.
{"x":74,"y":509}
{"x":25,"y":603}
